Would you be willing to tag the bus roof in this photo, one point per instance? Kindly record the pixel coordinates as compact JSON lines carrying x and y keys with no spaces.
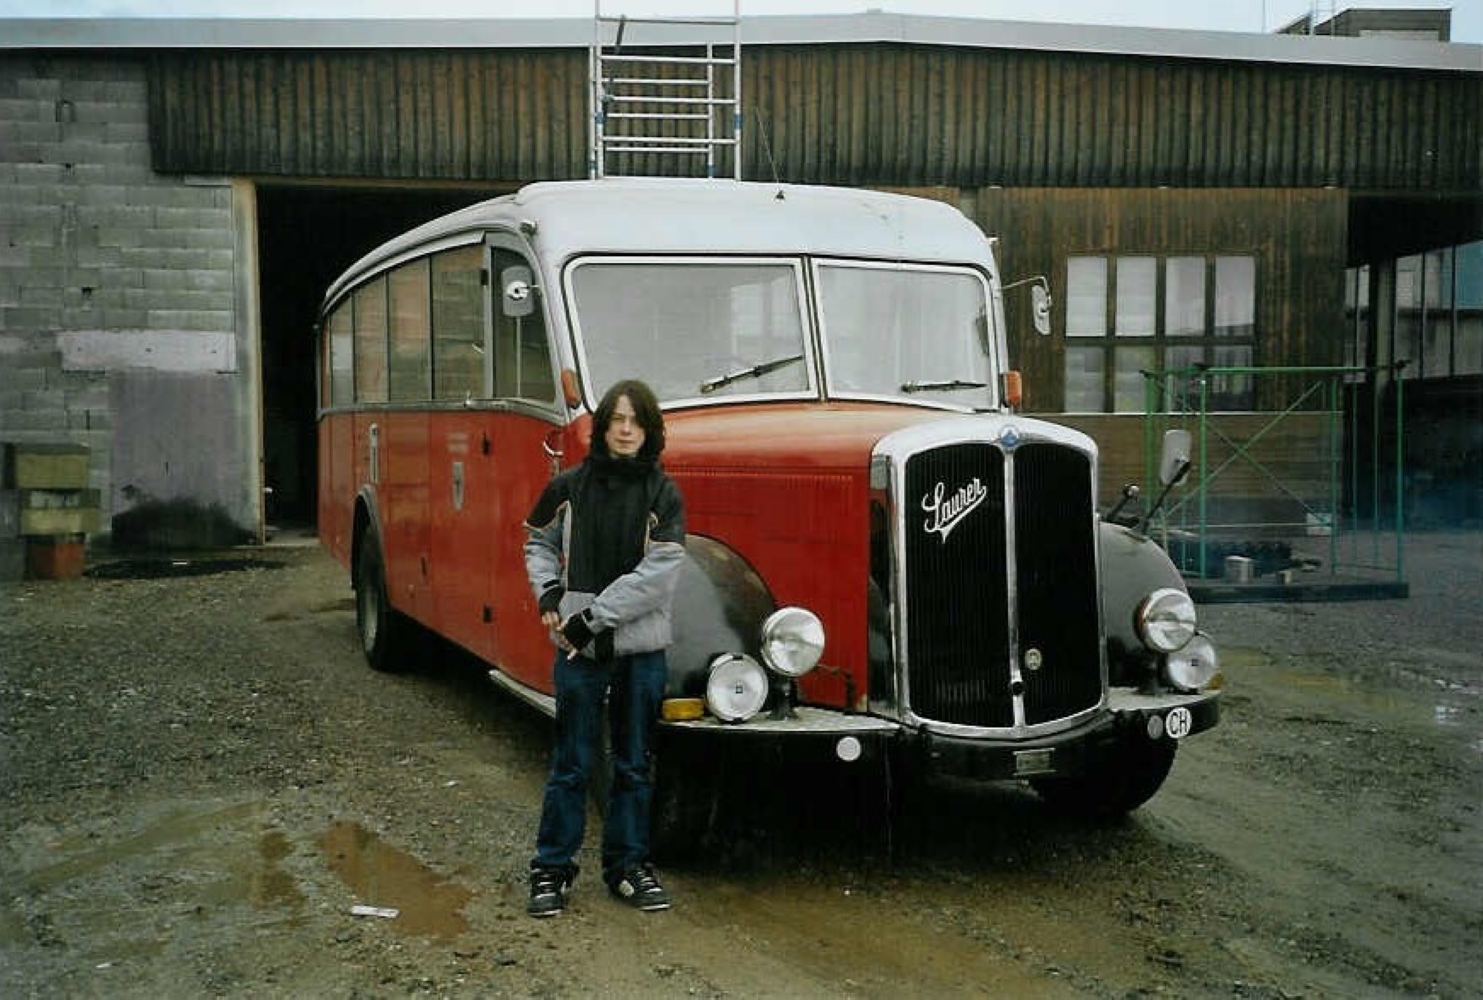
{"x":675,"y":215}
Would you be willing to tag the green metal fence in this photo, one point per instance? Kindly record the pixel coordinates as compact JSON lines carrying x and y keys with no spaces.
{"x":1303,"y":498}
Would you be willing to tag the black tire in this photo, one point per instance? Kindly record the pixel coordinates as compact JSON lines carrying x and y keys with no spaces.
{"x":1117,"y":783}
{"x":383,"y":632}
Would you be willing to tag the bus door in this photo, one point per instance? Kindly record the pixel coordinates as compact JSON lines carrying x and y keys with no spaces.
{"x":460,"y":433}
{"x":489,"y":465}
{"x":531,"y":416}
{"x":463,"y":510}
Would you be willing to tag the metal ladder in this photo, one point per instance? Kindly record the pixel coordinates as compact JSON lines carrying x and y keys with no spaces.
{"x":664,"y":103}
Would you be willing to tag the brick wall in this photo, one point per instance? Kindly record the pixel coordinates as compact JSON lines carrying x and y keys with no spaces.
{"x":111,"y":274}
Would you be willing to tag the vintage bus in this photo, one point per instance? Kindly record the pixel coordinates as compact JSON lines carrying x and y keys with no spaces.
{"x":886,"y":562}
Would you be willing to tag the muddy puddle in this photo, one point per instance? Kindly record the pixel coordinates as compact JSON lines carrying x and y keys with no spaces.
{"x":1384,"y":692}
{"x":390,"y":884}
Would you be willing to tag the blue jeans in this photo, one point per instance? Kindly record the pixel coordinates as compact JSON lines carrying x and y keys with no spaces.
{"x":633,"y":686}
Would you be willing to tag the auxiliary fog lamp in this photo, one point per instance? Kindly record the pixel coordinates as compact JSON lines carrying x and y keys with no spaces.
{"x":792,"y":640}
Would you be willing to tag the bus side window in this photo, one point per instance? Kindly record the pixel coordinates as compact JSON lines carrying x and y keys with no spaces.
{"x":339,"y":384}
{"x":370,"y":342}
{"x":411,"y":355}
{"x":522,"y":357}
{"x":458,"y":323}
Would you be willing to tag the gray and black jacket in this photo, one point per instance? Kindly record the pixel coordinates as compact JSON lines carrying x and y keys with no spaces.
{"x":605,"y":541}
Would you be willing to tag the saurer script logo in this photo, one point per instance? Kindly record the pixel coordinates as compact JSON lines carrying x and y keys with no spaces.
{"x":944,"y":513}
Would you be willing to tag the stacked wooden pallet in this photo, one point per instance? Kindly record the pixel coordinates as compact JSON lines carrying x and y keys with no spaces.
{"x":46,"y":510}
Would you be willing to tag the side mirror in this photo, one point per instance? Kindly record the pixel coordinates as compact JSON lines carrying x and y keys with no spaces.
{"x":1174,"y":465}
{"x":1174,"y":460}
{"x":1040,"y":301}
{"x":517,"y":291}
{"x":1040,"y":304}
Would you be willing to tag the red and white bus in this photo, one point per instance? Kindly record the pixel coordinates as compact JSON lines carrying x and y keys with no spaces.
{"x":885,"y":560}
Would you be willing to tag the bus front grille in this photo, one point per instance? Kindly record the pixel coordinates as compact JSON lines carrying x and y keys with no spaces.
{"x":1000,"y":559}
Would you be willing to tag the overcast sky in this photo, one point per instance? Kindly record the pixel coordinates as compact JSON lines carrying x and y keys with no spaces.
{"x":1200,"y":15}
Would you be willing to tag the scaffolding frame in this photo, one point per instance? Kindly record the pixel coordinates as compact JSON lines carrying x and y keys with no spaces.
{"x":1360,"y":548}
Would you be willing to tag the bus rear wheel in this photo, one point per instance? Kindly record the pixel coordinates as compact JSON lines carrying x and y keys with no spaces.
{"x":383,"y":632}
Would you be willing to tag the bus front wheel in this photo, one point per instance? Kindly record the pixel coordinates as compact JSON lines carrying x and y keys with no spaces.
{"x":382,"y":630}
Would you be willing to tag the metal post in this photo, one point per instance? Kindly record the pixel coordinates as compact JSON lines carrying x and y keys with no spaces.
{"x":1204,"y":410}
{"x":1400,"y":458}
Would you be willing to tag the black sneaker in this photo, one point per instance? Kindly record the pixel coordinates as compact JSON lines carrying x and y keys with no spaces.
{"x":548,"y":889}
{"x":640,"y":889}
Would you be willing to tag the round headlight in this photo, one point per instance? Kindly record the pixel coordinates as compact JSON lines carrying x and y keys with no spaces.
{"x":1166,"y":620}
{"x":736,"y":689}
{"x":792,"y":641}
{"x":1192,"y":667}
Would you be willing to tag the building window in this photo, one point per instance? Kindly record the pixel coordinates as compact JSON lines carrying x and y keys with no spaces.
{"x":1165,"y":314}
{"x":1467,"y":338}
{"x":1438,"y":313}
{"x":1356,"y":320}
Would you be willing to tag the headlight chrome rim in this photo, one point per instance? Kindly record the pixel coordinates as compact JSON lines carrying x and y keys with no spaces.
{"x":792,"y":641}
{"x":737,"y":687}
{"x":1166,"y":620}
{"x":1193,"y":665}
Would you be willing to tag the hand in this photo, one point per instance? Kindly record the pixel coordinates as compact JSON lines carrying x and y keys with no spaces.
{"x":577,"y":630}
{"x":552,"y":621}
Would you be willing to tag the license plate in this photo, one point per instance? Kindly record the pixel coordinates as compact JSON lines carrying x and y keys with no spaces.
{"x":1032,"y":762}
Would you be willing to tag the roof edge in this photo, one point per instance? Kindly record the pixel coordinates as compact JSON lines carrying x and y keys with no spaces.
{"x":55,"y":34}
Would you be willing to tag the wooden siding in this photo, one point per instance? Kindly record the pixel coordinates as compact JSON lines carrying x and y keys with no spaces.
{"x":460,"y":116}
{"x":858,"y":114}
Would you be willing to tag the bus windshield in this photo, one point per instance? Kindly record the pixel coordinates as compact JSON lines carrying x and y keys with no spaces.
{"x":699,"y":330}
{"x":913,"y":331}
{"x":694,"y":329}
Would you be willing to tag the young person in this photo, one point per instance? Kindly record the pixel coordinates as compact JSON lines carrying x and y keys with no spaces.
{"x":604,"y":547}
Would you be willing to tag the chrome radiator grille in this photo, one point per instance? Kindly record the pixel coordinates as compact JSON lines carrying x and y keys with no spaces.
{"x":981,"y":573}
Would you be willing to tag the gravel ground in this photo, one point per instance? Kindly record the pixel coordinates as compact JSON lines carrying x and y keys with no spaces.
{"x":200,"y":781}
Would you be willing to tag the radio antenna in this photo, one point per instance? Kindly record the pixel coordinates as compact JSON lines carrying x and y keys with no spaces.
{"x":767,"y":151}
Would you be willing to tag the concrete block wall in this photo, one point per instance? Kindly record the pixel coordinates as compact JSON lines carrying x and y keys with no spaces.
{"x":111,"y":273}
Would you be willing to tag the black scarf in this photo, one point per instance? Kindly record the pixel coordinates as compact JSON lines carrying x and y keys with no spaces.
{"x":610,"y":519}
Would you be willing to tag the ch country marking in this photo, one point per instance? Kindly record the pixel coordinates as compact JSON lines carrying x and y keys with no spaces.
{"x":944,"y":513}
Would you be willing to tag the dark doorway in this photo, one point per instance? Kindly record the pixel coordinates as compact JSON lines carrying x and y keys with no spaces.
{"x":308,"y":235}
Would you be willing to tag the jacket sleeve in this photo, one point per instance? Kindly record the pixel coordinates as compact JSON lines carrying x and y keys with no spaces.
{"x":650,"y":585}
{"x":544,"y":544}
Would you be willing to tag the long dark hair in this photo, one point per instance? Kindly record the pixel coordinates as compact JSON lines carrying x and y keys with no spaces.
{"x":645,"y":409}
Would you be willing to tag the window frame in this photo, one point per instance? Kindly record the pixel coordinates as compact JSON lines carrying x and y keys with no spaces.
{"x":1117,"y":345}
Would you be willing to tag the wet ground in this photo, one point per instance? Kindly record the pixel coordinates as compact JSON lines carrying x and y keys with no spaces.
{"x":203,"y":791}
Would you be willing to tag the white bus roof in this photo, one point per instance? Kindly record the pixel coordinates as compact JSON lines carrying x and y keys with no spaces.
{"x":681,"y":216}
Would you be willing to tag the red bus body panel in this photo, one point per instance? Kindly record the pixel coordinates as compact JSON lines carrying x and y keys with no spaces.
{"x":784,"y":485}
{"x":448,"y":500}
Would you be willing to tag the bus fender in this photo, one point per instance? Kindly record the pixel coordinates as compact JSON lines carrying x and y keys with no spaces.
{"x":367,"y":518}
{"x":1133,"y":566}
{"x":719,"y":606}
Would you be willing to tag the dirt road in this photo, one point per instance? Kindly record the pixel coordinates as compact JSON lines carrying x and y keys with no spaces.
{"x":200,"y":781}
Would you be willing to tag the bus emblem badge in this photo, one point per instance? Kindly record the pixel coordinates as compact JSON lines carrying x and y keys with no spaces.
{"x":944,"y":513}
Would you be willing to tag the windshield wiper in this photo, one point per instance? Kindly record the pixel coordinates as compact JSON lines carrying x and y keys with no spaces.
{"x":950,"y":384}
{"x":756,"y":371}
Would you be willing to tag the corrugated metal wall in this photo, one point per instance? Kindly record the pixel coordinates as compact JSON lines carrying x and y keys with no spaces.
{"x":878,"y":114}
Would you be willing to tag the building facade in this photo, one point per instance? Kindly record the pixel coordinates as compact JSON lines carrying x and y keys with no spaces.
{"x":175,"y":196}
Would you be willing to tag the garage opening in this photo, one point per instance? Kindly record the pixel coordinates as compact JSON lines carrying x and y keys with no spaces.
{"x":307,"y":235}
